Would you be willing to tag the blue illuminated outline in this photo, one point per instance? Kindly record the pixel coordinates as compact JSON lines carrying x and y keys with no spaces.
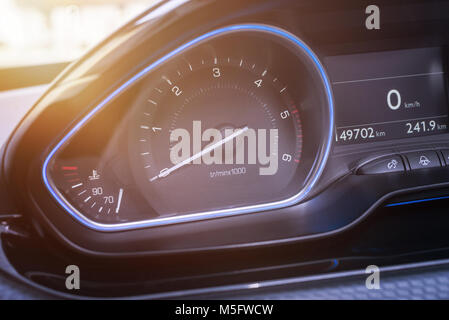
{"x":209,"y":214}
{"x":403,"y":203}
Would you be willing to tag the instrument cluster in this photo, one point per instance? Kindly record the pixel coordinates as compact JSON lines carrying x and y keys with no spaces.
{"x":236,"y":121}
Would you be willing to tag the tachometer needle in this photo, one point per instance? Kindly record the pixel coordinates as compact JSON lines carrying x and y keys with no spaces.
{"x":165,"y":172}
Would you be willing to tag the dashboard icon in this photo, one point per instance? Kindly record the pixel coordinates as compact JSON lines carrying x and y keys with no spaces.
{"x":393,"y":164}
{"x":424,"y":161}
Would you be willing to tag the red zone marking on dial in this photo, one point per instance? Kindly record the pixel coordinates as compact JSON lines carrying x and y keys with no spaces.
{"x":298,"y":122}
{"x":71,"y":173}
{"x":69,"y":168}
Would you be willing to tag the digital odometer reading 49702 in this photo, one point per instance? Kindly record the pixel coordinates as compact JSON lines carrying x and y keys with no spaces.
{"x":389,"y":95}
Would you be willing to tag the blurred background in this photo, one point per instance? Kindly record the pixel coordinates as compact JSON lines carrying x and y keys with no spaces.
{"x":37,"y":32}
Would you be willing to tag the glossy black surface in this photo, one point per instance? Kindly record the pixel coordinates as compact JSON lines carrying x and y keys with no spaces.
{"x":413,"y":233}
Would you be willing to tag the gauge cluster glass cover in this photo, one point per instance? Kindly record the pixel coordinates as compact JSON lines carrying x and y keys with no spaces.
{"x":236,"y":121}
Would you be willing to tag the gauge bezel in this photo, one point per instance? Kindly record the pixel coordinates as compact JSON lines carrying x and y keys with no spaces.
{"x":316,"y":170}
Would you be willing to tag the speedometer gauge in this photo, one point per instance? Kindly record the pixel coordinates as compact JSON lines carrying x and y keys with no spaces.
{"x":236,"y":121}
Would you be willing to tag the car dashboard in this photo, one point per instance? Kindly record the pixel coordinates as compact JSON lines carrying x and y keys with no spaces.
{"x":239,"y":148}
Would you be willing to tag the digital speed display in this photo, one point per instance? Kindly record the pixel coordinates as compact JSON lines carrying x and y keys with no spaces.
{"x":389,"y":95}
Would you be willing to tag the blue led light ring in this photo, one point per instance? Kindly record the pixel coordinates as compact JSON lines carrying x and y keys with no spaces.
{"x":210,"y":214}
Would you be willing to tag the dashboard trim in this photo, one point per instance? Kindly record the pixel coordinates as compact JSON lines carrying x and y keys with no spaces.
{"x":253,"y":287}
{"x":324,"y":154}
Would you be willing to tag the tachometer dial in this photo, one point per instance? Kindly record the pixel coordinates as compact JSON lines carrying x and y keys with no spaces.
{"x":243,"y":135}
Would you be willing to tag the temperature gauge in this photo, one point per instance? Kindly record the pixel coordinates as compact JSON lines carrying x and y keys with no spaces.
{"x":91,"y":192}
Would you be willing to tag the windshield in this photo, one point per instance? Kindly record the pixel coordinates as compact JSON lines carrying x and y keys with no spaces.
{"x":37,"y":32}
